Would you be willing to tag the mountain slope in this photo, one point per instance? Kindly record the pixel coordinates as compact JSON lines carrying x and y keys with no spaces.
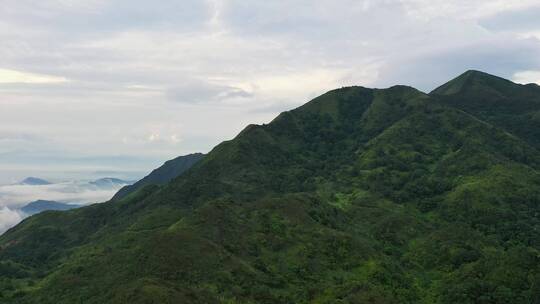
{"x":162,"y":175}
{"x":359,"y":196}
{"x":498,"y":101}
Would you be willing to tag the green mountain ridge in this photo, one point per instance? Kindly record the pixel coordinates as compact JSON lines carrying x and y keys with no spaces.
{"x":162,"y":175}
{"x":498,"y":101}
{"x":359,"y":196}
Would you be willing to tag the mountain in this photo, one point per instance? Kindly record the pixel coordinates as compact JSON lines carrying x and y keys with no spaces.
{"x":34,"y":181}
{"x":498,"y":101}
{"x":43,"y":205}
{"x":109,"y":182}
{"x":359,"y":196}
{"x":162,"y":175}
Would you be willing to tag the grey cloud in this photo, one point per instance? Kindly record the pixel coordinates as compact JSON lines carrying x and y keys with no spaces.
{"x":274,"y":108}
{"x":323,"y":18}
{"x":96,"y":16}
{"x":204,"y":92}
{"x":513,"y":20}
{"x":232,"y":92}
{"x":502,"y":57}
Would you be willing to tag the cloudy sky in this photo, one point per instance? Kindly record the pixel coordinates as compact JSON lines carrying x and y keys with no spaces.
{"x":116,"y":87}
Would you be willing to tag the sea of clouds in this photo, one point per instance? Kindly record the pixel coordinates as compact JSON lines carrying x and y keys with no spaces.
{"x":15,"y":196}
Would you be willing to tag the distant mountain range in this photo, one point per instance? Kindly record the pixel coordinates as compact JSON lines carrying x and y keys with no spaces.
{"x":359,"y":196}
{"x":74,"y":187}
{"x":106,"y":182}
{"x":43,"y":205}
{"x":160,"y":176}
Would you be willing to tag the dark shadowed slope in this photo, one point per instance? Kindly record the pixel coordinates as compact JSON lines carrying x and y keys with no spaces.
{"x":162,"y":175}
{"x":359,"y":196}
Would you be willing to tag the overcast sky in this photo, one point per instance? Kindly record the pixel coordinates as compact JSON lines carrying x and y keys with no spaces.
{"x":116,"y":87}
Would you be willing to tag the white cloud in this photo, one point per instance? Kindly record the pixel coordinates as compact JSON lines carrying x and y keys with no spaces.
{"x":530,"y":35}
{"x":11,"y":76}
{"x":79,"y":192}
{"x":525,"y":77}
{"x":9,"y":218}
{"x":463,"y":9}
{"x":15,"y":196}
{"x":306,"y":83}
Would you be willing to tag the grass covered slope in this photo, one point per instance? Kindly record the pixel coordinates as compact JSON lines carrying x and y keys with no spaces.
{"x":359,"y":196}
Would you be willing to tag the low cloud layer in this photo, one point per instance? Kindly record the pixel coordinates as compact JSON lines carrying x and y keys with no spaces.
{"x":15,"y":196}
{"x":9,"y":218}
{"x":143,"y":82}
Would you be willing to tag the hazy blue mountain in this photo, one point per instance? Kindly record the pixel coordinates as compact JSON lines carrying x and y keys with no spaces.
{"x":43,"y":205}
{"x":109,"y":182}
{"x":162,"y":175}
{"x":34,"y":181}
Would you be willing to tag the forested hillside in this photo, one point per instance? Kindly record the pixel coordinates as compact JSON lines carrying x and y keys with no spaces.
{"x":359,"y":196}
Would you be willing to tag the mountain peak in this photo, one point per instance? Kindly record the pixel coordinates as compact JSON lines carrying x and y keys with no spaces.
{"x":482,"y":76}
{"x":34,"y":181}
{"x":474,"y":79}
{"x":495,"y":100}
{"x":477,"y":73}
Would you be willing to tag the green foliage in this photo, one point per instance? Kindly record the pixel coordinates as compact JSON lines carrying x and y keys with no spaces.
{"x":359,"y":196}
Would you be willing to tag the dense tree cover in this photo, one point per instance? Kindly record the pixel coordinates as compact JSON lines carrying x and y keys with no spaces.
{"x":359,"y":196}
